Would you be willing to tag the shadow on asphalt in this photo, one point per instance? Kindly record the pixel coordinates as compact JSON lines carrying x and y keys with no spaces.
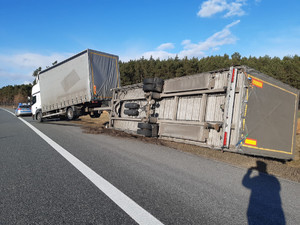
{"x":265,"y":203}
{"x":58,"y":122}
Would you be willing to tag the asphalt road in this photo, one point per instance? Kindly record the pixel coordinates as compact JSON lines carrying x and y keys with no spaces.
{"x":39,"y":186}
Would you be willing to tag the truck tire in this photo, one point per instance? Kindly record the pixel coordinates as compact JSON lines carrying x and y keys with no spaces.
{"x":131,"y":112}
{"x":144,"y":132}
{"x":106,"y":125}
{"x":39,"y":117}
{"x":70,"y":113}
{"x":152,"y":87}
{"x":96,"y":115}
{"x":132,"y":105}
{"x":153,"y":80}
{"x":145,"y":126}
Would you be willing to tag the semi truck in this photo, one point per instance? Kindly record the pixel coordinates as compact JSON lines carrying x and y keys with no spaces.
{"x":79,"y":85}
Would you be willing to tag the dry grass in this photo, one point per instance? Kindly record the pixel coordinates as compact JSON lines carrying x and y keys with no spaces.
{"x":93,"y":123}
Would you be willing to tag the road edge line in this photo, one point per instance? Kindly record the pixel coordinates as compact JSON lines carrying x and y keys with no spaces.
{"x":136,"y":212}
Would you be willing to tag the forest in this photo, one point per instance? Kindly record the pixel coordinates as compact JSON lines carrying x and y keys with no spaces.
{"x":12,"y":95}
{"x":286,"y":70}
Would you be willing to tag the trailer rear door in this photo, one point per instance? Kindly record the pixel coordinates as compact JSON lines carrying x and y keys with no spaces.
{"x":104,"y":70}
{"x":269,"y":122}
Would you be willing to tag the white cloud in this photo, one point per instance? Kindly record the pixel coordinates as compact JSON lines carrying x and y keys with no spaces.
{"x":212,"y":43}
{"x":223,"y":37}
{"x":12,"y":78}
{"x":27,"y":82}
{"x":7,"y":74}
{"x":158,"y":54}
{"x":165,"y":46}
{"x":232,"y":24}
{"x":32,"y":60}
{"x":18,"y":68}
{"x":235,"y":8}
{"x":212,"y":7}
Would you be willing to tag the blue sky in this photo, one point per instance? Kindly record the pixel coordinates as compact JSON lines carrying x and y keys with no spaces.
{"x":36,"y":33}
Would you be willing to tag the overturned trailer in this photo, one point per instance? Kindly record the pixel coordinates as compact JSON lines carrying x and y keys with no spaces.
{"x":237,"y":109}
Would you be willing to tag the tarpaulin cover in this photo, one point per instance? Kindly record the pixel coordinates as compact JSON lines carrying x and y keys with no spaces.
{"x":104,"y":71}
{"x":269,"y":126}
{"x":84,"y":77}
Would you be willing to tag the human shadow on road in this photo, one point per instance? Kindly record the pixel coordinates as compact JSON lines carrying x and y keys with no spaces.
{"x":265,"y":202}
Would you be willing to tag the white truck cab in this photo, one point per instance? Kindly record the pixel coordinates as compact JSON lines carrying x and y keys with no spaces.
{"x":80,"y":85}
{"x":36,"y":99}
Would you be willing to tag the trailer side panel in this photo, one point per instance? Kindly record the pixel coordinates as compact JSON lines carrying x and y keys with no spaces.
{"x":65,"y":85}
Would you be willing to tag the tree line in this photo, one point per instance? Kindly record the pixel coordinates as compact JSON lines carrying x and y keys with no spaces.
{"x":286,"y":70}
{"x":12,"y":95}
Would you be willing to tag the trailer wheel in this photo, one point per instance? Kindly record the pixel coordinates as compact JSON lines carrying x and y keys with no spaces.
{"x":39,"y":117}
{"x":132,"y":105}
{"x":144,"y":132}
{"x":145,"y":126}
{"x":106,"y":124}
{"x":153,"y":80}
{"x":153,"y":87}
{"x":70,"y":113}
{"x":131,"y":112}
{"x":95,"y":115}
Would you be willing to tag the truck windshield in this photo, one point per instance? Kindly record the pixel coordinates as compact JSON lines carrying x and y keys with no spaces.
{"x":25,"y":106}
{"x":33,"y":99}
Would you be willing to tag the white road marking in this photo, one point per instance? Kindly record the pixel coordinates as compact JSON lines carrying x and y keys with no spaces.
{"x":136,"y":212}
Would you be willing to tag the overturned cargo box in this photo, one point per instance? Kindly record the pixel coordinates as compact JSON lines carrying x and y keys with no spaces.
{"x":237,"y":109}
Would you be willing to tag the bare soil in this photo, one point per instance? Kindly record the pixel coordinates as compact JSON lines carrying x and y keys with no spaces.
{"x":286,"y":169}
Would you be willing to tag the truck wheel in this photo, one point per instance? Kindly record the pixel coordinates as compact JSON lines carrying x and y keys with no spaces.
{"x":70,"y":113}
{"x":39,"y":117}
{"x":131,"y":112}
{"x":145,"y":126}
{"x":106,"y":124}
{"x":145,"y":132}
{"x":152,"y":87}
{"x":132,"y":105}
{"x":96,"y":115}
{"x":153,"y":80}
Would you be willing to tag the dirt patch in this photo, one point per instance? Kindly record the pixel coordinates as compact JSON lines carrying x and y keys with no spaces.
{"x":298,"y":126}
{"x":285,"y":169}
